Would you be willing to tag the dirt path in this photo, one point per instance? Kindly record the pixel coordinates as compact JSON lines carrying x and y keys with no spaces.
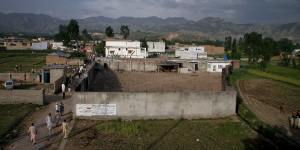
{"x":267,"y":113}
{"x":44,"y":140}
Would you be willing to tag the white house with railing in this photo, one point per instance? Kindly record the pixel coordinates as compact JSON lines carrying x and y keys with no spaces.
{"x":125,"y":49}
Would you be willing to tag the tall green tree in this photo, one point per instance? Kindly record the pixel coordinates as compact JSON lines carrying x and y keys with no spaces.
{"x":124,"y":30}
{"x":73,"y":29}
{"x":144,"y":43}
{"x":85,"y":35}
{"x":109,"y":31}
{"x":228,"y":43}
{"x":268,"y":45}
{"x":285,"y":45}
{"x":252,"y":46}
{"x":234,"y":52}
{"x":68,"y":33}
{"x":100,"y":49}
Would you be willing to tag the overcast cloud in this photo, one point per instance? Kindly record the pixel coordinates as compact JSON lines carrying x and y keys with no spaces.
{"x":242,"y":11}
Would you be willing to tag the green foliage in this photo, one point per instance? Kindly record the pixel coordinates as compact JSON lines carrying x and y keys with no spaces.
{"x":77,"y":54}
{"x":73,"y":29}
{"x":68,"y":33}
{"x":228,"y":44}
{"x":100,"y":49}
{"x":285,"y":45}
{"x":176,"y":134}
{"x":10,"y":116}
{"x":109,"y":31}
{"x":86,"y":36}
{"x":144,"y":43}
{"x":28,"y":60}
{"x":124,"y":30}
{"x":268,"y":45}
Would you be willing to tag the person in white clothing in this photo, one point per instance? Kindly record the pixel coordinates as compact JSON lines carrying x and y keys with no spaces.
{"x":49,"y":123}
{"x":63,"y":89}
{"x":56,"y":107}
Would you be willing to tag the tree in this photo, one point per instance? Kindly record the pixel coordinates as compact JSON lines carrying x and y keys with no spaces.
{"x":268,"y":45}
{"x":228,"y":42}
{"x":63,"y":35}
{"x":124,"y":30}
{"x":85,"y":35}
{"x":68,"y":33}
{"x":252,"y":46}
{"x":109,"y":31}
{"x":100,"y":48}
{"x":144,"y":43}
{"x":285,"y":45}
{"x":234,"y":54}
{"x":73,"y":29}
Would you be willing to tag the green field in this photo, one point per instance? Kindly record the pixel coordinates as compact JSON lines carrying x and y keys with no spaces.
{"x":273,"y":72}
{"x":169,"y":134}
{"x":9,"y":60}
{"x":10,"y":116}
{"x":283,"y":92}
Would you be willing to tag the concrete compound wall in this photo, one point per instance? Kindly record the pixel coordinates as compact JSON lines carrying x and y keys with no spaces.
{"x":25,"y":77}
{"x":22,"y":96}
{"x":131,"y":65}
{"x":172,"y":105}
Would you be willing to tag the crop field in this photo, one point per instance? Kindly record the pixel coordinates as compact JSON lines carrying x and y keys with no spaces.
{"x":26,"y":61}
{"x":165,"y":134}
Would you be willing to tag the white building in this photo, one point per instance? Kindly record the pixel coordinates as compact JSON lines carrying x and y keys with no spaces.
{"x":57,"y":46}
{"x":39,"y":46}
{"x":190,"y":53}
{"x":125,"y":49}
{"x":156,"y":47}
{"x":217,"y":66}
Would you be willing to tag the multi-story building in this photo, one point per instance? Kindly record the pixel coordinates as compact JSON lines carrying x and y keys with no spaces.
{"x":125,"y":49}
{"x":190,"y":53}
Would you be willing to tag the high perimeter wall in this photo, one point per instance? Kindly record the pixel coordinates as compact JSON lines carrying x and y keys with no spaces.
{"x":169,"y":105}
{"x":22,"y":96}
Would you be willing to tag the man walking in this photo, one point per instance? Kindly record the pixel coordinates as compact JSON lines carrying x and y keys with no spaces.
{"x":32,"y":131}
{"x":61,"y":109}
{"x":49,"y":123}
{"x":63,"y":89}
{"x":65,"y":127}
{"x":56,"y":107}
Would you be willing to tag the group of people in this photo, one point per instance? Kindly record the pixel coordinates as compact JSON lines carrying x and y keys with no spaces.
{"x":295,"y":120}
{"x":51,"y":123}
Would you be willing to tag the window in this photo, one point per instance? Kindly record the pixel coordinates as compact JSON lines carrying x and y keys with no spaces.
{"x":119,"y":49}
{"x":129,"y":51}
{"x":24,"y":44}
{"x":186,"y":49}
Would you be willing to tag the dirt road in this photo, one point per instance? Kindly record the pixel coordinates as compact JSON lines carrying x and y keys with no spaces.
{"x":44,"y":140}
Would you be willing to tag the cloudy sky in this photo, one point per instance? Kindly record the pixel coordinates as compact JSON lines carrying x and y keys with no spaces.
{"x":242,"y":11}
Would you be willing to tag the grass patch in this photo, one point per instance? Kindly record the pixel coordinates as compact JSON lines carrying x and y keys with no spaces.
{"x":8,"y":61}
{"x":172,"y":134}
{"x":10,"y":116}
{"x":277,"y":73}
{"x":286,"y":78}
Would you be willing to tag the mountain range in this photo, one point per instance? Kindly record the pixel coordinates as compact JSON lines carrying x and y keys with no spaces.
{"x":209,"y":28}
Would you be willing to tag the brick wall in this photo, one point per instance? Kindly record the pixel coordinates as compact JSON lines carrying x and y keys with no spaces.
{"x":22,"y":96}
{"x":25,"y":77}
{"x":55,"y":60}
{"x":62,"y":60}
